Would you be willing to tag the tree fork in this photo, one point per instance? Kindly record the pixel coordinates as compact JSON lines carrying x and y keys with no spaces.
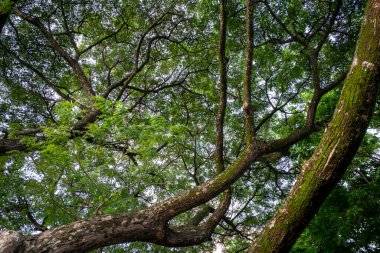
{"x":338,"y":145}
{"x":150,"y":225}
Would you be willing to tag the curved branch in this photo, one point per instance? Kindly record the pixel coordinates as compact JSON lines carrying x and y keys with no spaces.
{"x":101,"y":40}
{"x":275,"y":109}
{"x":338,"y":145}
{"x":294,"y":36}
{"x":57,"y":47}
{"x":329,"y":25}
{"x":40,"y":75}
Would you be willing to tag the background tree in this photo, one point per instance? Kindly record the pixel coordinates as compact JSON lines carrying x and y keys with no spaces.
{"x":112,"y":109}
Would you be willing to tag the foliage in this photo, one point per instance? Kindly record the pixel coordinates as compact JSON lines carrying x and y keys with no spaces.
{"x":153,"y":69}
{"x":348,"y":221}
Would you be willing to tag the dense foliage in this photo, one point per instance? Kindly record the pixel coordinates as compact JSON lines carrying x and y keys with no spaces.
{"x":348,"y":220}
{"x":110,"y":106}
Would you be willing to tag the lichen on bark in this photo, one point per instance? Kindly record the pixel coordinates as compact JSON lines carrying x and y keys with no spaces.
{"x":338,"y":145}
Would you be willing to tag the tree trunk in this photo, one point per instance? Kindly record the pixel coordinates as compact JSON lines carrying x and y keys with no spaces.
{"x":338,"y":145}
{"x":319,"y":175}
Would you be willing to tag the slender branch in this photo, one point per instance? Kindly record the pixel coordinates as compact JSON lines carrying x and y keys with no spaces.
{"x":137,"y":69}
{"x":294,"y":36}
{"x":275,"y":109}
{"x":310,"y":126}
{"x":253,"y":195}
{"x":161,"y":87}
{"x":138,"y":66}
{"x":247,"y":83}
{"x":329,"y":26}
{"x":144,"y":34}
{"x":37,"y":226}
{"x":274,"y":41}
{"x":55,"y":45}
{"x":67,"y":30}
{"x":219,"y":157}
{"x":29,"y":131}
{"x":22,"y":207}
{"x":101,"y":40}
{"x":334,"y":83}
{"x":314,"y":52}
{"x":40,"y":75}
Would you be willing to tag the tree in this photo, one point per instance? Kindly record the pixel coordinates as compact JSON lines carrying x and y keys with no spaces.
{"x":347,"y":220}
{"x":110,"y":110}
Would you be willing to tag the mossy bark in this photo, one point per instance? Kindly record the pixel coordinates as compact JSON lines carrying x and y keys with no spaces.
{"x":320,"y":174}
{"x":338,"y":145}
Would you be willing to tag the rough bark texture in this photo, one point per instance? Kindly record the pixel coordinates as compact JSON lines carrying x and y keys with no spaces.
{"x":338,"y":145}
{"x":320,"y":174}
{"x":89,"y":234}
{"x":11,"y":242}
{"x":149,"y":225}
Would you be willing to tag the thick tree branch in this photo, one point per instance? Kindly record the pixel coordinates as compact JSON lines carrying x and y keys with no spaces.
{"x":8,"y":145}
{"x":204,"y":211}
{"x":3,"y":20}
{"x":151,"y":224}
{"x":11,"y":242}
{"x":315,"y":75}
{"x":338,"y":145}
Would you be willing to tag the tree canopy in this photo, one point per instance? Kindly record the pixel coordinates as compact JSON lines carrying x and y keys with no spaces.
{"x":189,"y":126}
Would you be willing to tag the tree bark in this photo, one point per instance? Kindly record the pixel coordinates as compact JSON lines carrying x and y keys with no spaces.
{"x":338,"y":145}
{"x":319,"y":175}
{"x":11,"y":242}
